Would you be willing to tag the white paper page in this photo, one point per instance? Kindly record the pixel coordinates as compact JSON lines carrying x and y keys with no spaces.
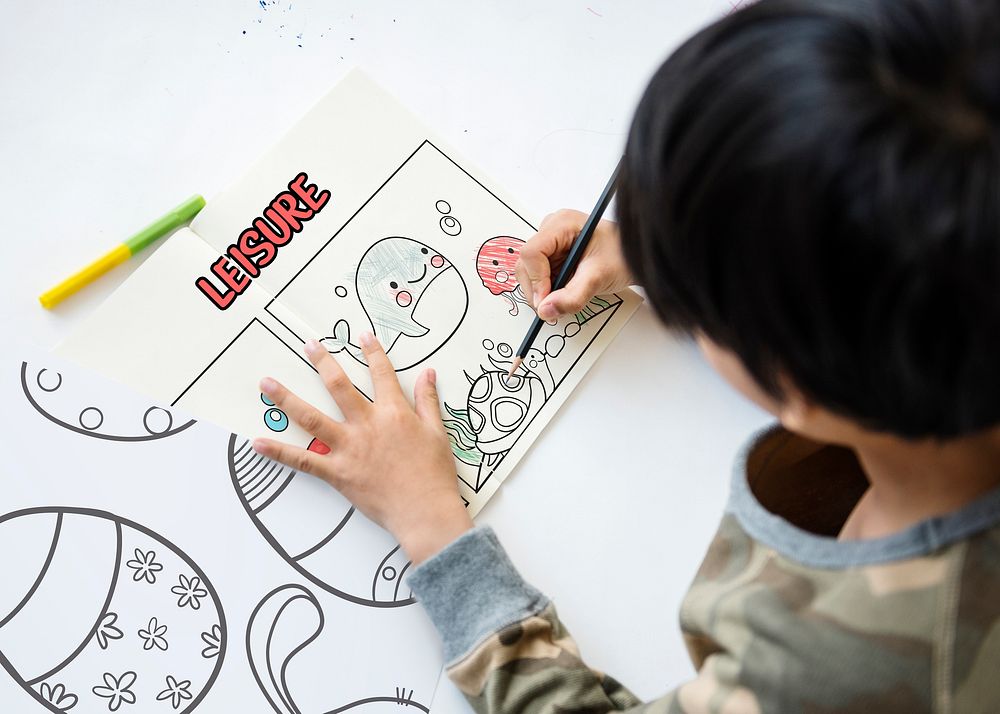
{"x":374,"y":224}
{"x":154,"y":330}
{"x":145,"y":514}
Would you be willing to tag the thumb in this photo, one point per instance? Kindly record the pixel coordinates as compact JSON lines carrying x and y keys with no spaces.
{"x":569,"y":299}
{"x":425,"y":398}
{"x":533,"y":273}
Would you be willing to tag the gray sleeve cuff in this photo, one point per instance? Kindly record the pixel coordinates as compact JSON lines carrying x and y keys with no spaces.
{"x":471,"y":590}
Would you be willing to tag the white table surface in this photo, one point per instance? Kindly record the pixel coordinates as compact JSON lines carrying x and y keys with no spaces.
{"x":115,"y":111}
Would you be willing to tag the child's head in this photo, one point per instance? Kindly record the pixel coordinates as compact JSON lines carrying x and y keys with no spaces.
{"x":814,"y":186}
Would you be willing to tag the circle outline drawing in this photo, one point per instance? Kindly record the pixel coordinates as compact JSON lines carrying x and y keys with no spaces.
{"x":100,"y":420}
{"x":145,"y":420}
{"x":85,"y":432}
{"x":451,"y":230}
{"x":38,"y":380}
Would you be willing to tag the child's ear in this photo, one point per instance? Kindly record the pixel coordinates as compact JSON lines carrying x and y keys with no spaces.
{"x":800,"y":414}
{"x":796,"y":411}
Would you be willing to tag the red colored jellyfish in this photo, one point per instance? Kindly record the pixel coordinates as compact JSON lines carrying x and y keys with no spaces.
{"x":495,"y":263}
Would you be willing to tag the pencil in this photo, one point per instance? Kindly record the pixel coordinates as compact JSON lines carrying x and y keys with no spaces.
{"x":569,"y":265}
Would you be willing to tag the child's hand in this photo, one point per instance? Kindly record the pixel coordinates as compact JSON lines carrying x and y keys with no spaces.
{"x":601,"y":270}
{"x":393,"y":462}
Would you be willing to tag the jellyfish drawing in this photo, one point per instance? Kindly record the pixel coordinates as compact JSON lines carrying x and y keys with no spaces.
{"x":495,"y":263}
{"x":395,"y":277}
{"x":287,"y":621}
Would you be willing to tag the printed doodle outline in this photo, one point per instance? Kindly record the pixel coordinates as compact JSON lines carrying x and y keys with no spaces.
{"x":119,"y":521}
{"x":171,"y":430}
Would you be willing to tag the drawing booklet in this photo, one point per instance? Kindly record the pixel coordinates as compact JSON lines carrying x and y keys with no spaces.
{"x":359,"y":219}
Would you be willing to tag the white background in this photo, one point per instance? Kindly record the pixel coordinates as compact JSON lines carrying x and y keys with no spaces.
{"x":115,"y":111}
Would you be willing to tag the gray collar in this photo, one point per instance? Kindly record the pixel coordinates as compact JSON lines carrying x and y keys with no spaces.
{"x":824,"y":552}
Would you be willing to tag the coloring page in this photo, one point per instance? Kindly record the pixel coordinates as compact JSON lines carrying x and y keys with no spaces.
{"x":358,"y":220}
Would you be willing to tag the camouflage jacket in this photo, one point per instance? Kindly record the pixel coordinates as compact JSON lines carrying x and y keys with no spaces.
{"x":781,"y":617}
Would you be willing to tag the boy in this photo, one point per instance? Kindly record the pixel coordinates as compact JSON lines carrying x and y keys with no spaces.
{"x":811,"y":190}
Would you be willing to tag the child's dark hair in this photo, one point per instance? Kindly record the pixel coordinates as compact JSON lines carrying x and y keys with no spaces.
{"x":815,"y":185}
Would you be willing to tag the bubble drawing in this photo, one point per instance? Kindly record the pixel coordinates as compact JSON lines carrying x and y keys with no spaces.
{"x":274,"y":419}
{"x":449,"y":224}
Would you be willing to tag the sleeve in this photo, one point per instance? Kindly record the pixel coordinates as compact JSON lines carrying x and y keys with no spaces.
{"x":504,"y":646}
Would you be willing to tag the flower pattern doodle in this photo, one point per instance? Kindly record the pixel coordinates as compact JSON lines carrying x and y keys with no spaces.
{"x":153,"y":635}
{"x":107,"y":630}
{"x":144,"y":566}
{"x":176,"y":692}
{"x":117,"y":690}
{"x":213,"y":640}
{"x":58,"y":697}
{"x":189,"y":592}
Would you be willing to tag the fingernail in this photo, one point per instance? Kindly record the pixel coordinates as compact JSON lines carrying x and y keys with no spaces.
{"x":268,"y":385}
{"x":432,"y":376}
{"x":367,"y":340}
{"x":313,"y":347}
{"x":260,"y":446}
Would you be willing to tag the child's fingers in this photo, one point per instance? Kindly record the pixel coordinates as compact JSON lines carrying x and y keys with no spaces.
{"x":533,"y":272}
{"x":544,"y":251}
{"x":291,"y":456}
{"x":524,"y":280}
{"x":384,"y":378}
{"x":315,"y":422}
{"x":425,"y":398}
{"x":571,"y":298}
{"x":336,"y":381}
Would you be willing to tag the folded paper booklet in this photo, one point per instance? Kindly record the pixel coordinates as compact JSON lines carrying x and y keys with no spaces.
{"x":360,"y":219}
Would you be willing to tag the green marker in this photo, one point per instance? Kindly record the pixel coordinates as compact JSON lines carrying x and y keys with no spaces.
{"x":178,"y":217}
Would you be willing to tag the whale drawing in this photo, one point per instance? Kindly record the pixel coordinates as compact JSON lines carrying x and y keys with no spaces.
{"x":392,"y":279}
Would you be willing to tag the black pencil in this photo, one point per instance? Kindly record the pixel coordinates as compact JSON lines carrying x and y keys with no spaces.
{"x":572,"y":260}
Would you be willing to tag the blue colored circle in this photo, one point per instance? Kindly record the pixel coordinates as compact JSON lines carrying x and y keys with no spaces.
{"x":275,"y":420}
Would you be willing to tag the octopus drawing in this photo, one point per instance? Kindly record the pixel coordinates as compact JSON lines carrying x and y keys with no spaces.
{"x":495,"y":264}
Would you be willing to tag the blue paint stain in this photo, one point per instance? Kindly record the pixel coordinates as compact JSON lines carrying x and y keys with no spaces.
{"x":263,"y":4}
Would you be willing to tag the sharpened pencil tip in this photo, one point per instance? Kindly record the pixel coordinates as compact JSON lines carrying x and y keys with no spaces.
{"x":514,"y":367}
